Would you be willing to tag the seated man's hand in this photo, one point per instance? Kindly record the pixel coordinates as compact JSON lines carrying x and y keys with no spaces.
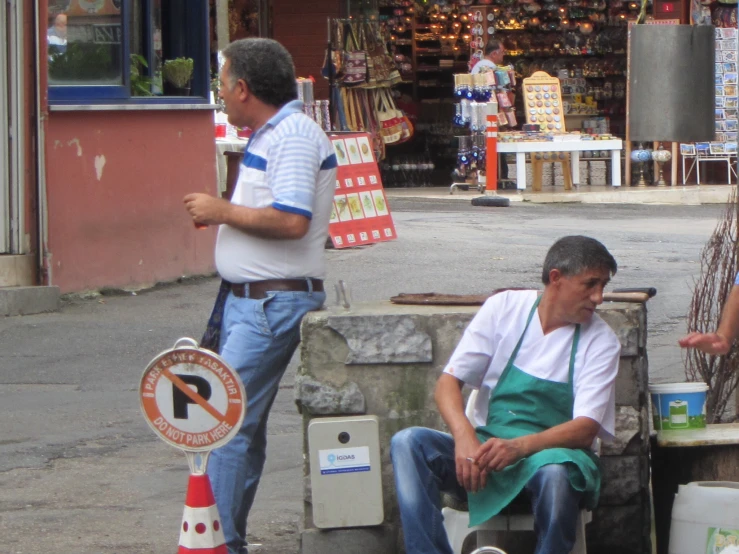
{"x":468,"y":473}
{"x":497,"y":454}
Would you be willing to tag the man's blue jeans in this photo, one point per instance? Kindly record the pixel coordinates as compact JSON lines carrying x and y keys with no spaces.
{"x":424,"y":467}
{"x":258,"y":338}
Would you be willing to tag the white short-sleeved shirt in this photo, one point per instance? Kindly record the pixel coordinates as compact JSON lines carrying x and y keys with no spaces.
{"x":491,"y":337}
{"x":290,"y":165}
{"x":483,"y":66}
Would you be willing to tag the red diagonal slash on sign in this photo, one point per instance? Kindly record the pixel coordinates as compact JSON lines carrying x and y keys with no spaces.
{"x":192,"y":395}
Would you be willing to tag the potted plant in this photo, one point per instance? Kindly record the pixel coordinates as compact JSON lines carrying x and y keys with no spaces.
{"x":140,"y":82}
{"x":177,"y":74}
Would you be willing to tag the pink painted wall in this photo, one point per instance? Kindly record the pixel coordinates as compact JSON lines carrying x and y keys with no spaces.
{"x":115,"y":182}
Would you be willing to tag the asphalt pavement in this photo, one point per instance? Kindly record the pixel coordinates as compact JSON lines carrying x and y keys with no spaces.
{"x":81,"y":472}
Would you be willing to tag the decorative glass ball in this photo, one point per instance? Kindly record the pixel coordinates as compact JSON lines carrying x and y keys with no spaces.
{"x":640,"y":155}
{"x":661,"y":155}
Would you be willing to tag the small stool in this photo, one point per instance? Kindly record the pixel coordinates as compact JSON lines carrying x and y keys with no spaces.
{"x":457,"y":522}
{"x":537,"y":161}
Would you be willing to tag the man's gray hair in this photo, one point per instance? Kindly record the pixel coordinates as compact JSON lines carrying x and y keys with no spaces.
{"x":575,"y":254}
{"x":492,"y":45}
{"x":265,"y":66}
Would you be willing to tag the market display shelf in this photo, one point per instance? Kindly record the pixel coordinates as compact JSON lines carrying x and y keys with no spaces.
{"x":565,"y":55}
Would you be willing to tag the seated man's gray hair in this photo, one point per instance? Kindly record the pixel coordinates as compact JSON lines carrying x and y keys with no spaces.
{"x":575,"y":254}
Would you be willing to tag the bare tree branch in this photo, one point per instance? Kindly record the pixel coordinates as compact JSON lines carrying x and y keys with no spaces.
{"x":710,"y":292}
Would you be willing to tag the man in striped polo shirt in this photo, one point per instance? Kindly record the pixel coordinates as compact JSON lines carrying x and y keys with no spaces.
{"x":269,"y":252}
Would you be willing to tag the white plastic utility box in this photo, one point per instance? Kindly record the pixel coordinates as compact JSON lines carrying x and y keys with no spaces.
{"x":345,"y":471}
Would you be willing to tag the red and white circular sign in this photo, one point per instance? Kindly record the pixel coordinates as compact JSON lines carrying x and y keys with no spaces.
{"x":191,"y":398}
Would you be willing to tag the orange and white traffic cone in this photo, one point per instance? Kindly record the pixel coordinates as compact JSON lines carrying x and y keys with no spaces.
{"x":201,"y":530}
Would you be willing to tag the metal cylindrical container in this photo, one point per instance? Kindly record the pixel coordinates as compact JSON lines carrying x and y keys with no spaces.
{"x":671,"y":84}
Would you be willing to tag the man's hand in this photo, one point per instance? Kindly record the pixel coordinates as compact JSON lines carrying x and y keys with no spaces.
{"x":710,"y":343}
{"x":497,"y":454}
{"x":468,"y":473}
{"x":206,"y":209}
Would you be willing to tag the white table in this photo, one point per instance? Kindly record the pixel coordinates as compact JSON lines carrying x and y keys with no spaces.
{"x":226,"y":145}
{"x":729,"y":159}
{"x":522,"y":148}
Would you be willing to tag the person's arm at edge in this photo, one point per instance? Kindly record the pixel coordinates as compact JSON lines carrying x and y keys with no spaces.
{"x":266,"y":222}
{"x":449,"y":400}
{"x":720,"y":341}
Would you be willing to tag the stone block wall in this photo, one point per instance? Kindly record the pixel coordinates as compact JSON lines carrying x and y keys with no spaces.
{"x":384,"y":359}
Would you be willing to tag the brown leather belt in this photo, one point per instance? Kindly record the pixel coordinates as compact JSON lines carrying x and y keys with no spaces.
{"x":258,"y":289}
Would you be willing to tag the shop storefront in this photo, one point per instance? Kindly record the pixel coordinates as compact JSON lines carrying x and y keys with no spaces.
{"x":114,"y":127}
{"x":100,"y":138}
{"x":582,"y":44}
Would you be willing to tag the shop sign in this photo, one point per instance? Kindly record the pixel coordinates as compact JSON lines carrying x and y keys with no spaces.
{"x":107,"y":34}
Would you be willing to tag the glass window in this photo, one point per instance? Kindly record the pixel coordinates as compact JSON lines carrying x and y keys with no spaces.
{"x":85,"y":43}
{"x":103,"y":50}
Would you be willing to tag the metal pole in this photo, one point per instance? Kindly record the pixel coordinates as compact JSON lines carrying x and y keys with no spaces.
{"x":222,"y":30}
{"x":330,"y":62}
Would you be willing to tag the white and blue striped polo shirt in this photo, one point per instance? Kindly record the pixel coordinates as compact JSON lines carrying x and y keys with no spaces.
{"x":290,"y":165}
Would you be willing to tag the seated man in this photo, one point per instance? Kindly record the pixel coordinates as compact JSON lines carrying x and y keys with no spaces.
{"x":545,"y":367}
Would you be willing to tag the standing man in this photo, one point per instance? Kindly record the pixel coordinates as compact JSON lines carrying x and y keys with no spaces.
{"x":494,"y":52}
{"x":493,"y":57}
{"x":269,"y":251}
{"x":56,"y":35}
{"x":545,"y":367}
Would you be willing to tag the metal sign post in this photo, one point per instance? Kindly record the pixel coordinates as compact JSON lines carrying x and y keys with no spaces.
{"x":194,"y":401}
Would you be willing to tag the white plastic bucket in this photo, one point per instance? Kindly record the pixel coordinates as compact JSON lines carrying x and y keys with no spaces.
{"x":705,"y":518}
{"x":678,"y":406}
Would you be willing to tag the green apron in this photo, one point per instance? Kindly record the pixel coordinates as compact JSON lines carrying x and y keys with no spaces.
{"x":523,"y":405}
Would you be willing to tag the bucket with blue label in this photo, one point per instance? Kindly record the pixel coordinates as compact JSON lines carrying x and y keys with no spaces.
{"x":678,"y":406}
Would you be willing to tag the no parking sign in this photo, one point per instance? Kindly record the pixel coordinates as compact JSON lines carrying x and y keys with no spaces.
{"x":191,"y":398}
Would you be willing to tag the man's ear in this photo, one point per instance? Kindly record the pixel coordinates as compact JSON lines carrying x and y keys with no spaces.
{"x":555,"y":276}
{"x":242,"y":90}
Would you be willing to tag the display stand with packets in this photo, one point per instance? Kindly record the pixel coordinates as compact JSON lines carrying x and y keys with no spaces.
{"x":542,"y":97}
{"x":360,"y":213}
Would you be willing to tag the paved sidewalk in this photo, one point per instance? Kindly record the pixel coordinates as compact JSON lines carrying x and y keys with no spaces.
{"x":685,"y":195}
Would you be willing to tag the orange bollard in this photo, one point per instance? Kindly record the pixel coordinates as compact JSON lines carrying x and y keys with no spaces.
{"x":491,"y":149}
{"x":201,"y":531}
{"x":491,"y":197}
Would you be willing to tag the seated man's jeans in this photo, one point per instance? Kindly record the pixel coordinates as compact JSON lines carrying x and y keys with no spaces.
{"x":424,"y":467}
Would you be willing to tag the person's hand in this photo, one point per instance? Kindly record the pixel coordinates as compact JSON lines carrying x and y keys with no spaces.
{"x":468,"y":473}
{"x":206,"y":209}
{"x":710,"y":343}
{"x":497,"y":454}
